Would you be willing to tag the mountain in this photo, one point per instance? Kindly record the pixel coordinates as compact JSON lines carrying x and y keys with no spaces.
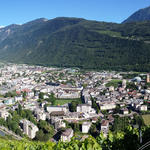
{"x":76,"y":42}
{"x":140,"y":15}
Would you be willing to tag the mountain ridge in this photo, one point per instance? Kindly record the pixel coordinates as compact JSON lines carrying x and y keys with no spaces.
{"x":76,"y":42}
{"x":140,"y":15}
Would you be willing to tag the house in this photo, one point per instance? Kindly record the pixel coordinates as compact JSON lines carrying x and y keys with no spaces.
{"x":68,"y":94}
{"x":4,"y":114}
{"x":18,"y":98}
{"x":107,"y":106}
{"x":125,"y":111}
{"x":56,"y":115}
{"x":110,"y":119}
{"x":29,"y":128}
{"x":9,"y":101}
{"x":57,"y":108}
{"x":105,"y":127}
{"x":86,"y":126}
{"x":67,"y":135}
{"x":30,"y":94}
{"x":41,"y":116}
{"x":85,"y":108}
{"x":59,"y":124}
{"x":111,"y":88}
{"x":143,"y":108}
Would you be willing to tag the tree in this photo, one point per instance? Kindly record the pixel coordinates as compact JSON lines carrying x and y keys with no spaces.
{"x":93,"y":130}
{"x":41,"y":95}
{"x":24,"y":94}
{"x":39,"y":135}
{"x":73,"y":106}
{"x":19,"y":110}
{"x":52,"y":99}
{"x":94,"y":105}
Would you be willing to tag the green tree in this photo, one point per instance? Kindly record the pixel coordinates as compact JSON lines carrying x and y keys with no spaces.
{"x":73,"y":106}
{"x":19,"y":110}
{"x":41,"y":95}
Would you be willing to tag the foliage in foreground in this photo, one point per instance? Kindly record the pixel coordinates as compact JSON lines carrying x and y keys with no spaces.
{"x":127,"y":140}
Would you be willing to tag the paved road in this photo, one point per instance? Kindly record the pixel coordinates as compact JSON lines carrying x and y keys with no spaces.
{"x":8,"y":132}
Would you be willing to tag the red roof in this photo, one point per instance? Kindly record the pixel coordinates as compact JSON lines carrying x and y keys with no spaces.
{"x":26,"y":90}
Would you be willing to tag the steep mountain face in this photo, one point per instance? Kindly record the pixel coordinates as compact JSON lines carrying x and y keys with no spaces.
{"x":140,"y":15}
{"x":7,"y":31}
{"x":75,"y":42}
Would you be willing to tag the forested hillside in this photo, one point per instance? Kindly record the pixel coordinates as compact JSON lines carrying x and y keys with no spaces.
{"x":75,"y":42}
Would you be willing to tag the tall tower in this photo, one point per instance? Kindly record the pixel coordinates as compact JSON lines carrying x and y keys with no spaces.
{"x":148,"y":78}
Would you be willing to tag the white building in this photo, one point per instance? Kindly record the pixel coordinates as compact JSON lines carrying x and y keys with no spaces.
{"x":41,"y":116}
{"x":67,"y":95}
{"x":57,"y":108}
{"x":124,"y":82}
{"x":105,"y":127}
{"x":59,"y":124}
{"x":111,"y":88}
{"x":143,"y":108}
{"x":30,"y":94}
{"x":86,"y":126}
{"x":85,"y":108}
{"x":67,"y":135}
{"x":29,"y":128}
{"x":18,"y":98}
{"x":4,"y":114}
{"x":107,"y":106}
{"x":125,"y":111}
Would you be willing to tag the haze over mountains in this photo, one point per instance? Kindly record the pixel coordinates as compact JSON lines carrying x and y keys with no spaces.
{"x":76,"y":42}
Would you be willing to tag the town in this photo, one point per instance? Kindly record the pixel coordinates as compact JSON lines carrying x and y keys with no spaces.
{"x":47,"y":103}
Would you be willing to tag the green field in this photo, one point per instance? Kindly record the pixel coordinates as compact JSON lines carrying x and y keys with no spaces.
{"x":114,"y":83}
{"x":65,"y":101}
{"x":146,"y":119}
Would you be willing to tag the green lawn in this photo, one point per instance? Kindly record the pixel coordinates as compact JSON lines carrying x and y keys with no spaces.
{"x":114,"y":83}
{"x":146,"y":119}
{"x":65,"y":101}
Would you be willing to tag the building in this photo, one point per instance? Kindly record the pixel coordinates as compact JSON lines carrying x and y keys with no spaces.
{"x":9,"y":101}
{"x":4,"y":114}
{"x":57,"y":108}
{"x":41,"y":116}
{"x":148,"y":78}
{"x":86,"y":126}
{"x":107,"y":106}
{"x":67,"y":135}
{"x":85,"y":108}
{"x":69,"y":94}
{"x":124,"y":111}
{"x":111,"y":88}
{"x":124,"y":82}
{"x":143,"y":108}
{"x":105,"y":127}
{"x":18,"y":98}
{"x":59,"y":124}
{"x":29,"y":128}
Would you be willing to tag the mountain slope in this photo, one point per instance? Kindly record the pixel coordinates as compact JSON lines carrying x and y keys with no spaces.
{"x":75,"y":42}
{"x":140,"y":15}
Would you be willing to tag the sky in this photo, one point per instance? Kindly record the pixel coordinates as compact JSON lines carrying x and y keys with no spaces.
{"x":22,"y":11}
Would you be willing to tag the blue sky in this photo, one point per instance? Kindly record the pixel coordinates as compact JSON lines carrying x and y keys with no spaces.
{"x":21,"y":11}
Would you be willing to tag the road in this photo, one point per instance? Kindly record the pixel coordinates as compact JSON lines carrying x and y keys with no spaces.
{"x":8,"y":132}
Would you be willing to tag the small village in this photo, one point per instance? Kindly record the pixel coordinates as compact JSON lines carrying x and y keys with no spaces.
{"x":47,"y":103}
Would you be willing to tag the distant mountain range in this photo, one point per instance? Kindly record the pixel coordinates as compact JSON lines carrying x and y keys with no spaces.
{"x":140,"y":15}
{"x":76,"y":42}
